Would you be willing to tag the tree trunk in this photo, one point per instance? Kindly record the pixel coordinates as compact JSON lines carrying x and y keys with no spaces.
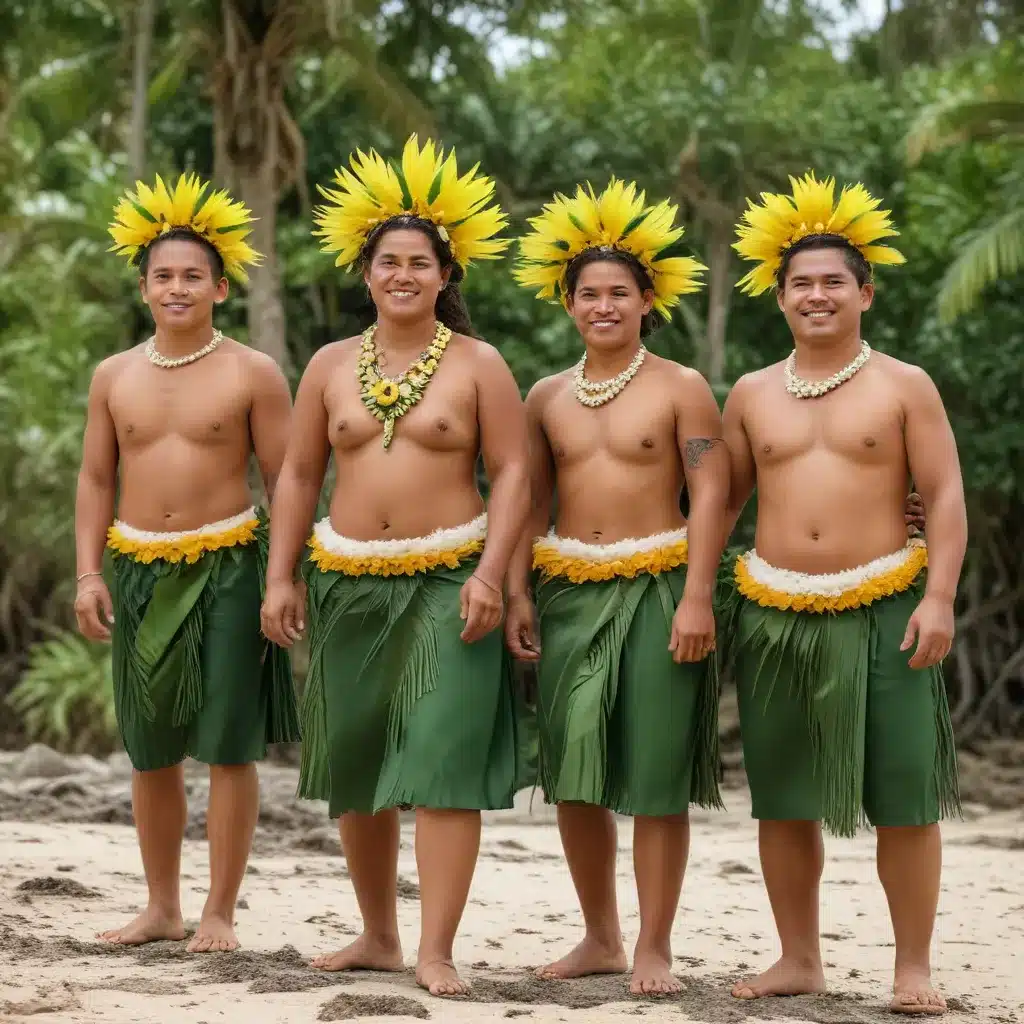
{"x":145,"y":12}
{"x":266,"y":309}
{"x":719,"y":294}
{"x":249,"y":116}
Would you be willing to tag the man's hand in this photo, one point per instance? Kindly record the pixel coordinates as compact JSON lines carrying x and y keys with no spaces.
{"x":283,"y":615}
{"x":932,"y":626}
{"x":481,"y":607}
{"x":914,"y":515}
{"x":521,"y":629}
{"x":94,"y":611}
{"x":693,"y":630}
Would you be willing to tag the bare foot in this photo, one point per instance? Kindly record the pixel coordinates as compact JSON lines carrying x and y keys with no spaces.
{"x":150,"y":926}
{"x":440,"y":978}
{"x":214,"y":935}
{"x":913,"y":992}
{"x":784,"y":978}
{"x":365,"y":954}
{"x":589,"y":957}
{"x":652,"y":975}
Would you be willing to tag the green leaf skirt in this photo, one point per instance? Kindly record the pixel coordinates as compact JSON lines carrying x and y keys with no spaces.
{"x":193,"y":674}
{"x":398,"y":710}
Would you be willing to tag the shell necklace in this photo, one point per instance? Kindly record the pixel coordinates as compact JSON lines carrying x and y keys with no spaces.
{"x":815,"y":388}
{"x":390,"y":398}
{"x":594,"y":393}
{"x":169,"y":364}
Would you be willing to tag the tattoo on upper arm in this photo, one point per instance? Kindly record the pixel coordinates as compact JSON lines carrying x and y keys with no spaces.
{"x":698,"y":447}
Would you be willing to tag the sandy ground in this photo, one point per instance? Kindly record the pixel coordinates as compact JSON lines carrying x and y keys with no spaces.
{"x":69,"y":867}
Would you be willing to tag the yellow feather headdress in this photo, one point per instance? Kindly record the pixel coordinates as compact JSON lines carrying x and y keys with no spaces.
{"x":619,"y":218}
{"x":768,"y":230}
{"x":143,"y":215}
{"x":427,"y":185}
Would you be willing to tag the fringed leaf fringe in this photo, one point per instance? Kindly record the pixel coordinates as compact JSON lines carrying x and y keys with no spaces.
{"x":705,"y":788}
{"x":314,"y":764}
{"x":828,"y":658}
{"x":947,"y":781}
{"x":188,"y":701}
{"x":132,"y":589}
{"x":282,"y":710}
{"x":585,"y":770}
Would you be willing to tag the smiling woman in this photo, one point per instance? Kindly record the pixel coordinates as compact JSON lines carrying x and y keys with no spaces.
{"x":409,"y":697}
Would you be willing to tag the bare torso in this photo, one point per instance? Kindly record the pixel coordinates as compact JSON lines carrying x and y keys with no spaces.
{"x":832,"y":472}
{"x":618,"y":470}
{"x":183,"y":439}
{"x":426,"y":479}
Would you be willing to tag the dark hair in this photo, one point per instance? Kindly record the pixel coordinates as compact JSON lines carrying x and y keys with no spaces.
{"x":858,"y":265}
{"x":450,"y":307}
{"x":651,"y":321}
{"x":181,"y":234}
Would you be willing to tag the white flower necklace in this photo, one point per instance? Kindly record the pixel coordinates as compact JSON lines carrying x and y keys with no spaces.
{"x":169,"y":364}
{"x":594,"y":393}
{"x":815,"y":388}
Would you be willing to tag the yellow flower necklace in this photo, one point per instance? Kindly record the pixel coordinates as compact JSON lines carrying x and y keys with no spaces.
{"x":390,"y":398}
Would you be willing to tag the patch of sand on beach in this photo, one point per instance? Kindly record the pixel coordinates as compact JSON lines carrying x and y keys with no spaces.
{"x":70,"y":868}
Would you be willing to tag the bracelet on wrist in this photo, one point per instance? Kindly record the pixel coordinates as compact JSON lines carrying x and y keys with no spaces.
{"x":489,"y":586}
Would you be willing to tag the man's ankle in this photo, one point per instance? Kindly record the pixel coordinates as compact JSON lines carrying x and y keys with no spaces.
{"x":803,"y":958}
{"x":164,"y":908}
{"x":609,"y":939}
{"x":382,"y":939}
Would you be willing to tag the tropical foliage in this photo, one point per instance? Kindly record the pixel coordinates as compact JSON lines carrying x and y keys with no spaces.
{"x":704,"y":102}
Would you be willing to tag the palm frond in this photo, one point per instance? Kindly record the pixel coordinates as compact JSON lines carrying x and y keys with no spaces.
{"x":994,"y":251}
{"x":972,"y":120}
{"x":65,"y":697}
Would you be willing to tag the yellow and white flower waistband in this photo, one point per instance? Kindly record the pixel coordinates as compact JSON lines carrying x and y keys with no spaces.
{"x":331,"y":552}
{"x":771,"y":587}
{"x":580,"y":562}
{"x":183,"y":545}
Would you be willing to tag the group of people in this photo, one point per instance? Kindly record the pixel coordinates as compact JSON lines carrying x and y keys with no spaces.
{"x":836,"y":623}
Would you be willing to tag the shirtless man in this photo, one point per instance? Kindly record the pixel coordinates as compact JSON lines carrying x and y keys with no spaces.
{"x":839,"y":632}
{"x":628,"y":695}
{"x":172,"y":423}
{"x":409,"y":699}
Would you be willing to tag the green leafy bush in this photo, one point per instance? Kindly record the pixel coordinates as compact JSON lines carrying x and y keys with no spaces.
{"x":66,"y":696}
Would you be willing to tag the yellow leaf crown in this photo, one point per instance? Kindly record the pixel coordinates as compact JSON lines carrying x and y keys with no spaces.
{"x":619,"y":218}
{"x":145,"y":214}
{"x":768,"y":230}
{"x":426,"y":185}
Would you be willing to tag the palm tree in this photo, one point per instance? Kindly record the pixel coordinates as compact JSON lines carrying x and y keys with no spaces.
{"x":251,"y":50}
{"x":989,"y":111}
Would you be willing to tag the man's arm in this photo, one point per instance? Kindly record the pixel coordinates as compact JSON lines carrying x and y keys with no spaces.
{"x":706,"y":465}
{"x":935,"y":468}
{"x":94,"y":507}
{"x":302,"y":472}
{"x":504,"y":447}
{"x":269,"y":416}
{"x":542,"y":491}
{"x":742,"y":469}
{"x":97,"y":476}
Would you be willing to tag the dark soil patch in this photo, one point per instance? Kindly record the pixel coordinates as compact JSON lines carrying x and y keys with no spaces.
{"x":141,"y":985}
{"x":284,"y":970}
{"x":997,"y":842}
{"x":735,"y":867}
{"x":352,"y":1007}
{"x":50,"y":886}
{"x":704,"y":999}
{"x":407,"y":890}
